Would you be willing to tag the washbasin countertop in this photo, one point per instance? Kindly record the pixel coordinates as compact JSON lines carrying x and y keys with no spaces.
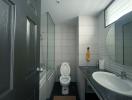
{"x":113,"y":82}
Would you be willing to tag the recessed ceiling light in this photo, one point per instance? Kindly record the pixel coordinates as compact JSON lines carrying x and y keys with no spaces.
{"x":58,"y":1}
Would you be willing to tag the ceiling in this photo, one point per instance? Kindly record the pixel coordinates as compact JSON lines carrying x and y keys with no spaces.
{"x":68,"y":10}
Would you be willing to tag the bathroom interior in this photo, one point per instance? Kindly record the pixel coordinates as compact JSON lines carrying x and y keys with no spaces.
{"x":66,"y":50}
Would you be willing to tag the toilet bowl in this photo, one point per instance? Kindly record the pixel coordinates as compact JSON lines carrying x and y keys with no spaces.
{"x":65,"y":80}
{"x":65,"y":77}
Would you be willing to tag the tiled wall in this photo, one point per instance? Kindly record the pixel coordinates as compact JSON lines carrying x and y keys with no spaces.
{"x":65,"y":48}
{"x":109,"y":64}
{"x":88,"y":37}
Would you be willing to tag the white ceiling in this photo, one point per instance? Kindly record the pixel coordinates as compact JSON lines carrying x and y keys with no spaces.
{"x":68,"y":10}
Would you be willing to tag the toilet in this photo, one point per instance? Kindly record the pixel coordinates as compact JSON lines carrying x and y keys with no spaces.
{"x":65,"y":77}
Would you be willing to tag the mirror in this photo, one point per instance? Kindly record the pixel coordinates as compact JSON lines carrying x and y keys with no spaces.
{"x":119,"y":40}
{"x":110,"y":42}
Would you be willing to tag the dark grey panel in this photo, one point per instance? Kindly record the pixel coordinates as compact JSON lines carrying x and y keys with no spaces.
{"x":26,"y":77}
{"x":31,"y":61}
{"x":5,"y":46}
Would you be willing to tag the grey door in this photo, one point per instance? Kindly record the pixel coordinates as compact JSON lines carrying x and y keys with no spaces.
{"x":19,"y":49}
{"x":6,"y":49}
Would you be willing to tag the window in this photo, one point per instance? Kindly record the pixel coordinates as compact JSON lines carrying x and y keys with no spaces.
{"x":117,"y":9}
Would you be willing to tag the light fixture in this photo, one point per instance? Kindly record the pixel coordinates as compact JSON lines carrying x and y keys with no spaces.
{"x":58,"y":1}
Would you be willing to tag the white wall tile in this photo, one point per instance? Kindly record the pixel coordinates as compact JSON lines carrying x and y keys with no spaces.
{"x":85,"y":30}
{"x":88,"y":37}
{"x":65,"y":45}
{"x":87,"y":21}
{"x":93,"y":61}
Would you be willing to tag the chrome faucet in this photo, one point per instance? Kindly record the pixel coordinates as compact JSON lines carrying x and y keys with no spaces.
{"x":123,"y":75}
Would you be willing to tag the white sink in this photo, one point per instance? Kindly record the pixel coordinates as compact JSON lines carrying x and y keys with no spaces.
{"x":112,"y":82}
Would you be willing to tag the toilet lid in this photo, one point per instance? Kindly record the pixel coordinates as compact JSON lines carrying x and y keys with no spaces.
{"x":65,"y":69}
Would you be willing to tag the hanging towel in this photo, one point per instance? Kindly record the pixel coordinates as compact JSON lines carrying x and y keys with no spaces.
{"x":88,"y":55}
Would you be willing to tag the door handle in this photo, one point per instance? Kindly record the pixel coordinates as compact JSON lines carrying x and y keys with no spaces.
{"x":40,"y":69}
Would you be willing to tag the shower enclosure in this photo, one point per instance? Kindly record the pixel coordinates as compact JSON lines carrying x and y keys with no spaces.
{"x":50,"y":43}
{"x":47,"y":56}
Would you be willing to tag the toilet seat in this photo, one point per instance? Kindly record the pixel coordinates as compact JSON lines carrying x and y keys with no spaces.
{"x":65,"y":80}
